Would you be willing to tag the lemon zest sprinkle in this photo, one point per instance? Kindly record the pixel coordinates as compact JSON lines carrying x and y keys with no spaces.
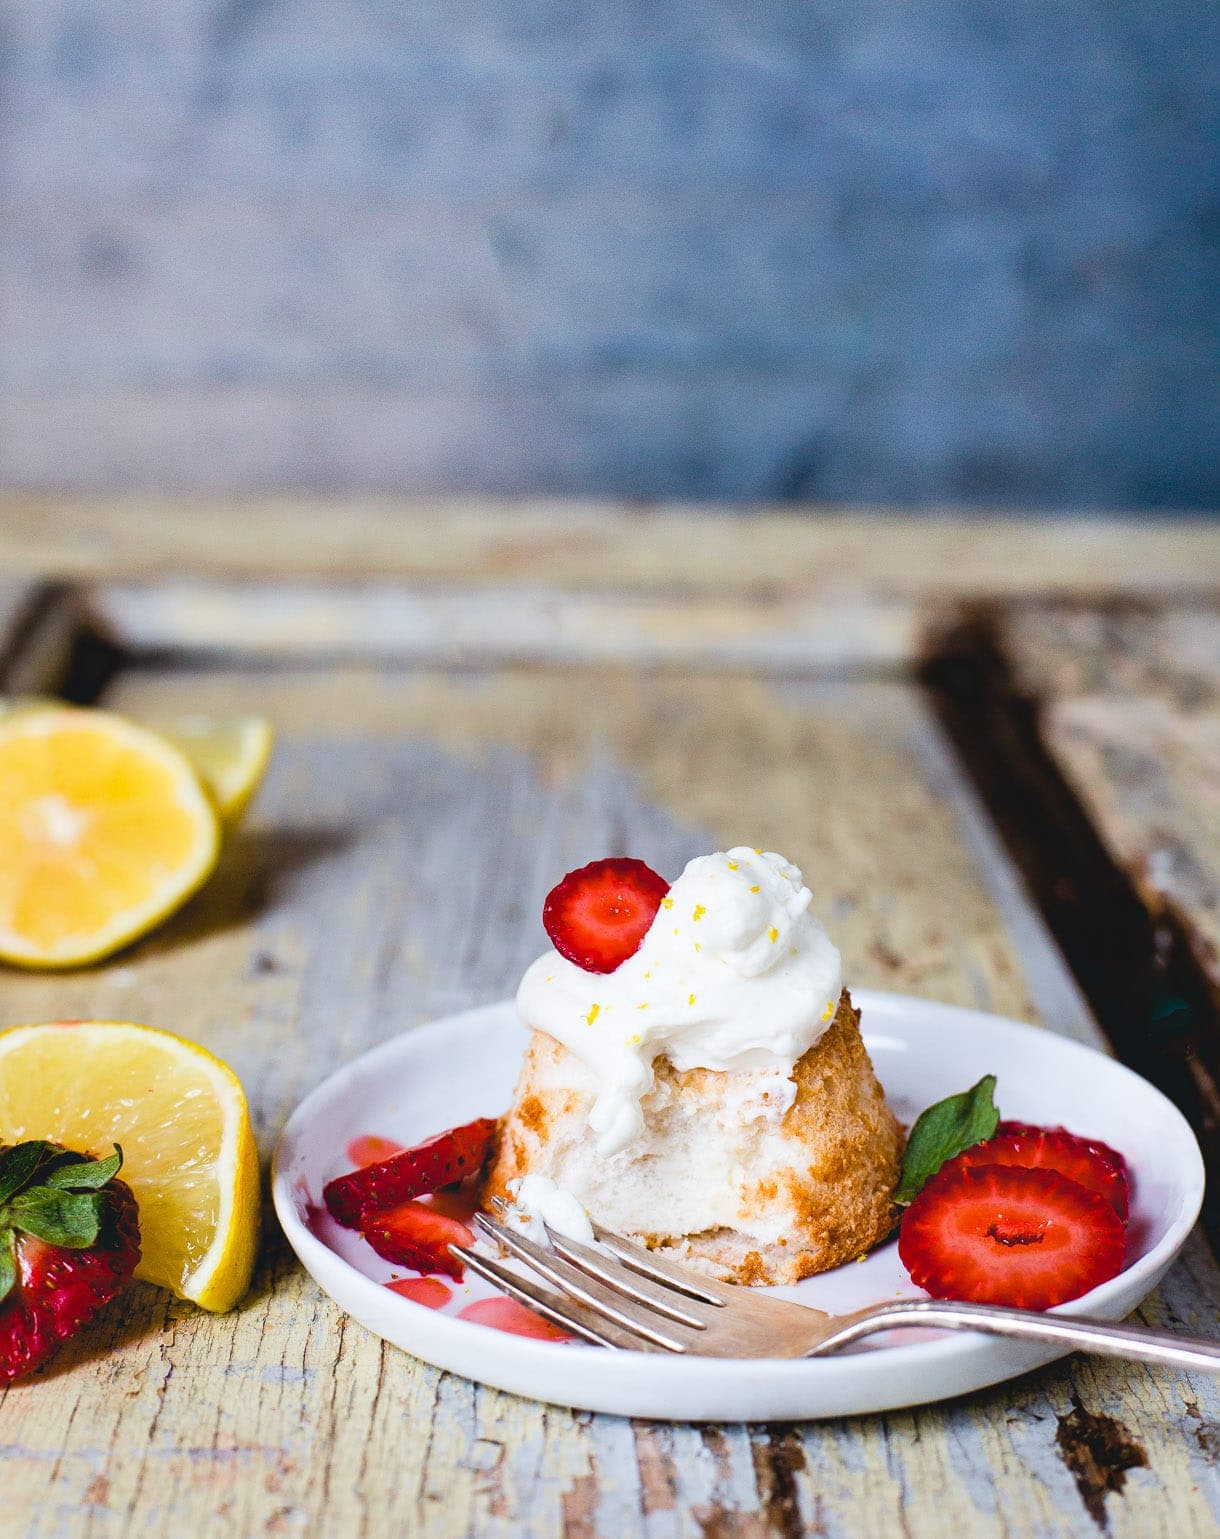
{"x":594,"y":1011}
{"x":667,"y":903}
{"x":754,"y":888}
{"x":732,"y":865}
{"x":691,"y":1000}
{"x":773,"y":935}
{"x":699,"y":912}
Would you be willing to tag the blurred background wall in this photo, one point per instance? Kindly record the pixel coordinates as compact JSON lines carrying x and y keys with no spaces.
{"x":786,"y":249}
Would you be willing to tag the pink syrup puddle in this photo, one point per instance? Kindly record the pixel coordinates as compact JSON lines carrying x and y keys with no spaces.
{"x":431,"y":1292}
{"x":507,"y":1315}
{"x":371,"y":1149}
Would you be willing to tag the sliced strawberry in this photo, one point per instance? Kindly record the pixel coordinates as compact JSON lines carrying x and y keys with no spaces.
{"x":597,"y":916}
{"x":1105,"y":1150}
{"x":1007,"y":1234}
{"x":1052,"y":1149}
{"x":415,"y":1235}
{"x":69,"y":1242}
{"x":443,"y":1160}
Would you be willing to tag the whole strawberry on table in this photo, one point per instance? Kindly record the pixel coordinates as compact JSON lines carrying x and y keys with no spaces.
{"x":69,"y":1243}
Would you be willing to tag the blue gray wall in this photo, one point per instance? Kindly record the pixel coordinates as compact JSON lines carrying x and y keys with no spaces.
{"x":840,"y":250}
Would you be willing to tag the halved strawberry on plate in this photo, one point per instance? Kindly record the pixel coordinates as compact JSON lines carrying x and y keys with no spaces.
{"x":443,"y":1160}
{"x":415,"y":1235}
{"x":1009,"y":1234}
{"x":381,"y":1200}
{"x":1104,"y":1151}
{"x":1094,"y":1164}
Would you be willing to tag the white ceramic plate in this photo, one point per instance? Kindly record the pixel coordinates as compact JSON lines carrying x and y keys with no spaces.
{"x":464,"y":1067}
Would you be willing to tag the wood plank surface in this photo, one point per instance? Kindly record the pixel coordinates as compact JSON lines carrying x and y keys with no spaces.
{"x":287,"y":622}
{"x":394,"y":870}
{"x":1130,"y":708}
{"x":568,"y":544}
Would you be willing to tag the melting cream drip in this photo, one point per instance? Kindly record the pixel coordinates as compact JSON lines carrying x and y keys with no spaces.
{"x":734,"y":973}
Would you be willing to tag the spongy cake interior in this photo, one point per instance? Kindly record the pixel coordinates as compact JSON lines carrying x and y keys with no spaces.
{"x":734,"y":1171}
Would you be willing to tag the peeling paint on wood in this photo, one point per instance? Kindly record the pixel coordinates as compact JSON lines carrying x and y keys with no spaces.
{"x":1131,"y":709}
{"x":1099,"y":1451}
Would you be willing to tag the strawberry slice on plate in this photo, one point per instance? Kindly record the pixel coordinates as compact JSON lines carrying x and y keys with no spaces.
{"x":1009,"y":1234}
{"x":69,"y":1242}
{"x":1095,"y":1165}
{"x":416,"y":1235}
{"x":449,"y":1157}
{"x":598,"y":915}
{"x":1119,"y":1161}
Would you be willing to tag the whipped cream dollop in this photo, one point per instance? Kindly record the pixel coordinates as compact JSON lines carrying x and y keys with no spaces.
{"x":539,"y":1201}
{"x":734,"y":973}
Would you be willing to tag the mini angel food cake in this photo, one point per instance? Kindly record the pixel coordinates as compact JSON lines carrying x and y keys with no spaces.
{"x":695,"y":1078}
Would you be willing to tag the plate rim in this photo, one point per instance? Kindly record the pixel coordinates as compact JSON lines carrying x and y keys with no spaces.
{"x":936,"y":1356}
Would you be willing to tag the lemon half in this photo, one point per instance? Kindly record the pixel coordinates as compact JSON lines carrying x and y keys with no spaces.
{"x":181,"y":1117}
{"x":104,"y":831}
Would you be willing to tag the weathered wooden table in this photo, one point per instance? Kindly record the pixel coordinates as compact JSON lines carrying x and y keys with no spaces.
{"x":994,"y":748}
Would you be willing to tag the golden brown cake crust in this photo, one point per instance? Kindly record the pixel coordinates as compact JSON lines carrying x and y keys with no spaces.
{"x":826,"y":1200}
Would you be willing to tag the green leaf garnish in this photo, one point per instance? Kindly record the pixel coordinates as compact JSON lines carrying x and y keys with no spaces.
{"x":70,"y":1219}
{"x":89,"y":1174}
{"x":945,"y":1129}
{"x":18,"y":1164}
{"x":51,"y":1193}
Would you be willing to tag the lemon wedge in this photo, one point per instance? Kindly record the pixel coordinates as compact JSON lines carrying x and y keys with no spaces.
{"x":181,"y":1118}
{"x":104,"y":831}
{"x":230,"y":755}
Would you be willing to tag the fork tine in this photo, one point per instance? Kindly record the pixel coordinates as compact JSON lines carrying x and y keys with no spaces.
{"x":577,"y":1284}
{"x":648,"y":1264}
{"x":607,"y":1269}
{"x":567,"y":1313}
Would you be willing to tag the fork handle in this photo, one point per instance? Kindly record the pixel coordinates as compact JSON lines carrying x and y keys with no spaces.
{"x":1129,"y":1341}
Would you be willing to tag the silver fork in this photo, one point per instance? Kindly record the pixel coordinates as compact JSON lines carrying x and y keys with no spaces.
{"x":619,"y":1295}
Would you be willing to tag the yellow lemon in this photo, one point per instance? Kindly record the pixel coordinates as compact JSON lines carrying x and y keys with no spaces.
{"x":104,"y":831}
{"x":181,"y":1118}
{"x":230,"y":755}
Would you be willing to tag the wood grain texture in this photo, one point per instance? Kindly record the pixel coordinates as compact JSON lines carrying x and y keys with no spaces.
{"x":289,"y":622}
{"x":572,"y":544}
{"x":394,"y":870}
{"x":1130,"y":702}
